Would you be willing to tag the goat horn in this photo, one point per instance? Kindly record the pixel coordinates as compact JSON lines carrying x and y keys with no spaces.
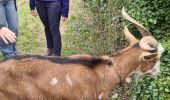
{"x":148,"y":43}
{"x":129,"y":36}
{"x":141,"y":28}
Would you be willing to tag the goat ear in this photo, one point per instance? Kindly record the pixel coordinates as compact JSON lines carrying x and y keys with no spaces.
{"x":146,"y":56}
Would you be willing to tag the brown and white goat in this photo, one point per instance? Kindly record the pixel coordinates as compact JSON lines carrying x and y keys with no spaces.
{"x":78,"y":77}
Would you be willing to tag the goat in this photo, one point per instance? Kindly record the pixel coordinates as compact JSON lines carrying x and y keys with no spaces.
{"x":79,"y":77}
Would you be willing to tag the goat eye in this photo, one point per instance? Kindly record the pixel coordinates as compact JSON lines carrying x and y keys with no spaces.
{"x":153,"y":51}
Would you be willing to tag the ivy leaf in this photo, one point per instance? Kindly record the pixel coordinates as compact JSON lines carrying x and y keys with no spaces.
{"x":167,"y":59}
{"x":151,"y":20}
{"x":167,"y":90}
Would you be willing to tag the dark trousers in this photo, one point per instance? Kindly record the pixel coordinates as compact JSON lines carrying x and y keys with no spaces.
{"x":50,"y":14}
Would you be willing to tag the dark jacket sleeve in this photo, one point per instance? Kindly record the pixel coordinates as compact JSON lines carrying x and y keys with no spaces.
{"x":65,"y":8}
{"x":32,"y":4}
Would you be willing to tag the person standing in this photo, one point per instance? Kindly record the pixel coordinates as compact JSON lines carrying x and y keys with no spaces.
{"x":50,"y":13}
{"x":8,"y":19}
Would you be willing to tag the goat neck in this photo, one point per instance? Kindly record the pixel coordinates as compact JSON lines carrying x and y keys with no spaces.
{"x":124,"y":64}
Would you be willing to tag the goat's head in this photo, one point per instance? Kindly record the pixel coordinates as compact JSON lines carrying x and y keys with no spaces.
{"x":151,"y":49}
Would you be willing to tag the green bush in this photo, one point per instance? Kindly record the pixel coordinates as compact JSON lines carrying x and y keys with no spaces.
{"x":101,"y":22}
{"x":153,"y":14}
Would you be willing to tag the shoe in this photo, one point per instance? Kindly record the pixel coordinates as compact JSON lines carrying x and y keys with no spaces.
{"x":53,"y":54}
{"x":17,"y":53}
{"x":49,"y":52}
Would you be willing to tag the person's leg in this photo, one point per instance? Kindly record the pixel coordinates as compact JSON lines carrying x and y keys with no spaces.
{"x":2,"y":14}
{"x":12,"y":19}
{"x":42,"y":11}
{"x":54,"y":15}
{"x":6,"y":49}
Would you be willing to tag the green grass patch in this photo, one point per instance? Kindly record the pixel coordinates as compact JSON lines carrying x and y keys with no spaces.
{"x":31,"y":34}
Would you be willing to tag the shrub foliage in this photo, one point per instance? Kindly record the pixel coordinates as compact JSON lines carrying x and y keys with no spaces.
{"x":155,"y":15}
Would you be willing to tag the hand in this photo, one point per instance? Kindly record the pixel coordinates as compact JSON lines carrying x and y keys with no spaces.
{"x":64,"y":18}
{"x":34,"y":13}
{"x":7,"y":35}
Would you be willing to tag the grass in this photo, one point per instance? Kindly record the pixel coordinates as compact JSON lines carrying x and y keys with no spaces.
{"x":31,"y":35}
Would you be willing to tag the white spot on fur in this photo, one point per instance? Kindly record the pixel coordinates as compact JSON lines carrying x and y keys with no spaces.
{"x":53,"y":81}
{"x":100,"y":96}
{"x":128,"y":80}
{"x":115,"y":96}
{"x":69,"y":81}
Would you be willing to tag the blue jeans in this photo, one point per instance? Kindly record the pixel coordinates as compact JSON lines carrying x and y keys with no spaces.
{"x":8,"y":18}
{"x":50,"y":14}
